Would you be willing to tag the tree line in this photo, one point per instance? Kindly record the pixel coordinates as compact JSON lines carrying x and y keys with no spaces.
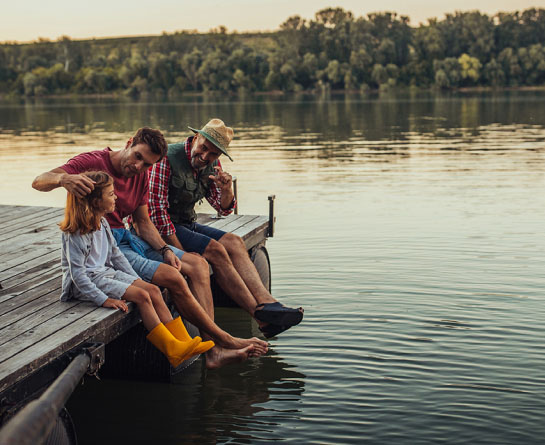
{"x":333,"y":51}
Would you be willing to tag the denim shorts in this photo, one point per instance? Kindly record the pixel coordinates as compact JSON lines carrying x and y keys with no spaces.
{"x":113,"y":283}
{"x":145,"y":267}
{"x":195,"y":237}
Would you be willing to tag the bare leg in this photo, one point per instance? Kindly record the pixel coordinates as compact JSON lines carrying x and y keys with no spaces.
{"x":236,"y":251}
{"x":202,"y":315}
{"x":196,"y":268}
{"x":143,"y":300}
{"x":228,"y":278}
{"x":245,"y":268}
{"x":157,"y":300}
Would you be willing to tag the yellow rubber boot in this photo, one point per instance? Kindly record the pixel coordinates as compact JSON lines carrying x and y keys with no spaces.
{"x":175,"y":350}
{"x":177,"y":328}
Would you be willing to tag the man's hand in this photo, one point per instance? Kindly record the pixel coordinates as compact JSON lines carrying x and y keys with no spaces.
{"x":170,"y":258}
{"x":79,"y":185}
{"x":222,"y":179}
{"x":116,"y":304}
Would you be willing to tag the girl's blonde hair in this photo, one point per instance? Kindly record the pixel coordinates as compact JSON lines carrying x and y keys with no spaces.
{"x":81,"y":213}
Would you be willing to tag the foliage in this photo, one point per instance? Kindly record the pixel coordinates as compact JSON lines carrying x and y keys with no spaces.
{"x":335,"y":50}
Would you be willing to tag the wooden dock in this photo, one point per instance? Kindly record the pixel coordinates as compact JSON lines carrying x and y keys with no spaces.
{"x":35,"y":327}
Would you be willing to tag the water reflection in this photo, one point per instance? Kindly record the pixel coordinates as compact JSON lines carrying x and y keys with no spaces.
{"x":334,"y":116}
{"x":236,"y":403}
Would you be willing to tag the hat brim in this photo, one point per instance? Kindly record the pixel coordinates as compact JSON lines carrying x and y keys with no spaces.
{"x":213,"y":140}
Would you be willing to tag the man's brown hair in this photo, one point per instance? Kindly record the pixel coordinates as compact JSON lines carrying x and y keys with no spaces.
{"x":152,"y":138}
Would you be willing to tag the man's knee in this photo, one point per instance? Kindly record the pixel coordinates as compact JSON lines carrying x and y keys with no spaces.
{"x":216,"y":252}
{"x":195,"y":266}
{"x":233,"y":242}
{"x":167,"y":276}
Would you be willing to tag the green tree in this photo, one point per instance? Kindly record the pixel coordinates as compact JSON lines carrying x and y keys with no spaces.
{"x":470,"y":68}
{"x":493,"y":73}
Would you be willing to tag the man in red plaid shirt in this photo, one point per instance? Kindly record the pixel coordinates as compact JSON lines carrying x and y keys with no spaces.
{"x":190,"y":172}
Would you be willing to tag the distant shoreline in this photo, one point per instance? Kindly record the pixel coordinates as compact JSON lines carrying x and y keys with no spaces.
{"x":277,"y":93}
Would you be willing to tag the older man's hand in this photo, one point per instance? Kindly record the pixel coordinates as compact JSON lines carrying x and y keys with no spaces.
{"x":222,"y":179}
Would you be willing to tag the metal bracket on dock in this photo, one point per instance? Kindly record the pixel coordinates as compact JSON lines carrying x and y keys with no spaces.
{"x":272,"y":218}
{"x":96,"y":353}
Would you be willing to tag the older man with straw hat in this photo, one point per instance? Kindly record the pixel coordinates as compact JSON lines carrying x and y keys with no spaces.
{"x":190,"y":172}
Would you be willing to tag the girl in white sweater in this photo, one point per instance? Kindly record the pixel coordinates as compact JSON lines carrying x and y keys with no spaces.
{"x":94,"y":269}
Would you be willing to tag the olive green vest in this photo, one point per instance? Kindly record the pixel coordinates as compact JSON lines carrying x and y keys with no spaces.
{"x":184,"y":189}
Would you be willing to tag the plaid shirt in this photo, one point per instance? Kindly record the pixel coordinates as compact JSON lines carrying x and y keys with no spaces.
{"x":158,"y":194}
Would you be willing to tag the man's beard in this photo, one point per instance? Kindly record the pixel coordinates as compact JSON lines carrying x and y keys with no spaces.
{"x":197,"y":164}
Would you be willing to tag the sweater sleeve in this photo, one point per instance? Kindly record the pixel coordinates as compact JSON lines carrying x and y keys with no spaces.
{"x":74,"y":250}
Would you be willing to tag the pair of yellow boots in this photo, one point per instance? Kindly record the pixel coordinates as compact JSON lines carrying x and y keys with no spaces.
{"x":173,"y":340}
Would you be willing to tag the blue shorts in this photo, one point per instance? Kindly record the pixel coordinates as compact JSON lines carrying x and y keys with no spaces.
{"x":195,"y":237}
{"x":145,"y":267}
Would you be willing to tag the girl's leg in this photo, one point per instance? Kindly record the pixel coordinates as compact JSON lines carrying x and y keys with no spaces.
{"x":142,"y":299}
{"x":156,"y":299}
{"x":175,"y":327}
{"x":175,"y":350}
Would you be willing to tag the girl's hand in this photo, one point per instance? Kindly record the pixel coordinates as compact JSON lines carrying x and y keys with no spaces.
{"x":116,"y":304}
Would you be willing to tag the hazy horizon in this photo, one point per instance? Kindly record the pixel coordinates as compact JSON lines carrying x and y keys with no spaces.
{"x":123,"y":19}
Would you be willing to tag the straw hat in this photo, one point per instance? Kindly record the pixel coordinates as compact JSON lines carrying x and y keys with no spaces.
{"x":217,"y":133}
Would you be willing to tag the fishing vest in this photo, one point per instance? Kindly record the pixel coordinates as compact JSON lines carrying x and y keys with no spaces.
{"x":184,"y":188}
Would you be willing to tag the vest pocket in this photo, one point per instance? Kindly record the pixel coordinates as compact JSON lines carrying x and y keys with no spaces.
{"x":177,"y":181}
{"x":190,"y":184}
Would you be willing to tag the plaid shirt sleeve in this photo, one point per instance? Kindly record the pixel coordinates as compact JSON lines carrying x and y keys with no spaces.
{"x":158,"y":197}
{"x":214,"y":198}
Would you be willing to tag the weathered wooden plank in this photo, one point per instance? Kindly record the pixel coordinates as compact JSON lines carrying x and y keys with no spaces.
{"x":24,"y":240}
{"x":34,"y":285}
{"x":48,"y":240}
{"x":39,"y":333}
{"x":11,"y":213}
{"x":10,"y":302}
{"x":20,"y":312}
{"x":254,"y":231}
{"x":248,"y":227}
{"x":239,"y":222}
{"x":37,"y":274}
{"x":220,"y":223}
{"x":37,"y":226}
{"x":15,"y":270}
{"x":35,"y":318}
{"x":35,"y":217}
{"x":86,"y":328}
{"x":26,"y":256}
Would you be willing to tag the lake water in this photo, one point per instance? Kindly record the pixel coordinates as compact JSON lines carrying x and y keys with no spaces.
{"x":410,"y":227}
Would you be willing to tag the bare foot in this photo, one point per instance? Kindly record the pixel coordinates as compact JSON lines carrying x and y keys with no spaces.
{"x":218,"y":357}
{"x":261,"y":347}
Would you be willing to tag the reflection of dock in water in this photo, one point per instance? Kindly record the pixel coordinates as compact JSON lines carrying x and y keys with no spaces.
{"x":40,"y":335}
{"x":240,"y":403}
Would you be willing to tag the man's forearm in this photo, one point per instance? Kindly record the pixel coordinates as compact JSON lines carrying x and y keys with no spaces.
{"x":47,"y":181}
{"x":226,"y":200}
{"x":173,"y":241}
{"x":148,"y":232}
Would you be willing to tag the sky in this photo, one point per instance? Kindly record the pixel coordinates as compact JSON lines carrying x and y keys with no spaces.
{"x":28,"y":20}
